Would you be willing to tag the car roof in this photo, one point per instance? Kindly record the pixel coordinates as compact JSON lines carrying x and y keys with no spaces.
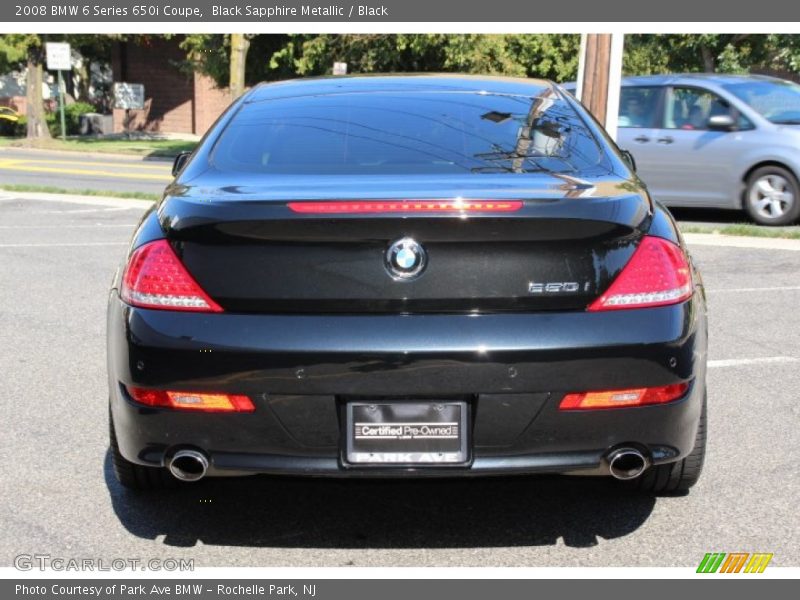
{"x":694,"y":78}
{"x":398,"y":83}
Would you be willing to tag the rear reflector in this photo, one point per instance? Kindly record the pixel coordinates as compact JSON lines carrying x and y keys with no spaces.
{"x":199,"y":401}
{"x":623,"y":398}
{"x":156,"y":278}
{"x":656,"y":275}
{"x":405,"y":206}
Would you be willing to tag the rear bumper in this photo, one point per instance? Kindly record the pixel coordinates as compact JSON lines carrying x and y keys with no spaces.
{"x":513,"y":369}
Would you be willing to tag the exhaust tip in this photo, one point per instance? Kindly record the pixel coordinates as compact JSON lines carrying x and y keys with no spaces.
{"x":188,"y":465}
{"x":626,"y":463}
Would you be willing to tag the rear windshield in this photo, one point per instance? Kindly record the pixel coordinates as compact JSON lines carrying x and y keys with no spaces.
{"x":375,"y":133}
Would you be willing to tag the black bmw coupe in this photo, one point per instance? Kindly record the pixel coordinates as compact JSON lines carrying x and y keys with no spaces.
{"x":407,"y":276}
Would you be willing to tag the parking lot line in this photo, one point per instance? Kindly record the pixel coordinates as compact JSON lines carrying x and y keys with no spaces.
{"x":92,"y":226}
{"x":64,"y":245}
{"x":737,"y":362}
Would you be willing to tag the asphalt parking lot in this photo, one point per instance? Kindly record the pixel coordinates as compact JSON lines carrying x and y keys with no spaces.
{"x":59,"y":497}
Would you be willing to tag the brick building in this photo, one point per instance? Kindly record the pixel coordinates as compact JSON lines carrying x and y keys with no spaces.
{"x":176,"y":101}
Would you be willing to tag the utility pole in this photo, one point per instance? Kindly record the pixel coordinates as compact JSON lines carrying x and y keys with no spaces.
{"x":600,"y":76}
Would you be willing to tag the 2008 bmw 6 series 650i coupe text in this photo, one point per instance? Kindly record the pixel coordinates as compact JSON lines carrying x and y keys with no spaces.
{"x":407,"y":276}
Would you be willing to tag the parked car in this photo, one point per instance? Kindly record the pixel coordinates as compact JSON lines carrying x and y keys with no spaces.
{"x":716,"y":141}
{"x":8,"y":114}
{"x":407,"y":276}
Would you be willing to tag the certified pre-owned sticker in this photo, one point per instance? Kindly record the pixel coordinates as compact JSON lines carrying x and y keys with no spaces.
{"x":406,"y":431}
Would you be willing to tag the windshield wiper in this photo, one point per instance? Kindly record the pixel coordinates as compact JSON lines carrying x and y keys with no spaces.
{"x":787,"y":121}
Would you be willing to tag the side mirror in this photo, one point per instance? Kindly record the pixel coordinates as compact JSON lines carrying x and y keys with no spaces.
{"x":721,"y":123}
{"x":628,"y":158}
{"x":180,"y":162}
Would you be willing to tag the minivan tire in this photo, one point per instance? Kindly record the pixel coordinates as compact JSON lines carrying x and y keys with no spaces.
{"x":791,"y":213}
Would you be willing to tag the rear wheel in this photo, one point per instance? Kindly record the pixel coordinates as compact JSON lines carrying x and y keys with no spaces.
{"x":772,"y":196}
{"x":677,"y":477}
{"x":133,"y":476}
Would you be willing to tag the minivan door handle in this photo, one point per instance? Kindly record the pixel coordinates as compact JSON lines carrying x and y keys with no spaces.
{"x":642,"y":139}
{"x":665,"y":140}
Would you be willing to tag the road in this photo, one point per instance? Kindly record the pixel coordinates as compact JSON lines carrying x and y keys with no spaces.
{"x":59,"y":495}
{"x":78,"y":171}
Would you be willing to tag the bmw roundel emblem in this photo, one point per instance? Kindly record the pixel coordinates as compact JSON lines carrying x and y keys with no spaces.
{"x":405,"y":259}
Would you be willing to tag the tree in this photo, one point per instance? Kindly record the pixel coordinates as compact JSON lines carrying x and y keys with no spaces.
{"x":210,"y":54}
{"x":18,"y":51}
{"x":711,"y":53}
{"x":37,"y":124}
{"x":552,"y":56}
{"x":93,"y":49}
{"x":27,"y":50}
{"x":240,"y":43}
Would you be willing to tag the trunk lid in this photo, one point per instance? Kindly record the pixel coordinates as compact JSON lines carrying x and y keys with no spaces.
{"x":558,"y":251}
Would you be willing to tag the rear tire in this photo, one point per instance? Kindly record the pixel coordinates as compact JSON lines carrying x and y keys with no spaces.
{"x":677,"y":477}
{"x":772,"y":196}
{"x":133,"y":476}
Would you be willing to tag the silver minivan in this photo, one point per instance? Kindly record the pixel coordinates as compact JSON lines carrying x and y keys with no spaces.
{"x":716,"y":141}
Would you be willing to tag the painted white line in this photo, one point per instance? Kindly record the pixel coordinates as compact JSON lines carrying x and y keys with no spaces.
{"x":785,"y":288}
{"x":77,"y":199}
{"x":92,"y":226}
{"x":67,"y":245}
{"x":736,"y":362}
{"x":78,"y":211}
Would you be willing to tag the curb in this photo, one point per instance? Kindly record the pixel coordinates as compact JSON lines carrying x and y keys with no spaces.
{"x":737,"y":241}
{"x":92,"y":155}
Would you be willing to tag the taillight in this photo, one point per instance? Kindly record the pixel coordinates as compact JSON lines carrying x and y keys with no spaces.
{"x":199,"y":401}
{"x":656,"y":275}
{"x":623,"y":398}
{"x":156,"y":278}
{"x":404,"y":206}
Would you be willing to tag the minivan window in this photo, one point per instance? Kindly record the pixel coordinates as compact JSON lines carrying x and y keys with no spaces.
{"x":691,"y":108}
{"x":420,"y":132}
{"x":638,"y":106}
{"x":778,"y":101}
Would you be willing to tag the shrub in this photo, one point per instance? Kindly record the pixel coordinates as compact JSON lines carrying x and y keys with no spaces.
{"x":72,"y":118}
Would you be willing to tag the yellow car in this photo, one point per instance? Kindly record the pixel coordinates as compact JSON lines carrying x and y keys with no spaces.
{"x":8,"y":114}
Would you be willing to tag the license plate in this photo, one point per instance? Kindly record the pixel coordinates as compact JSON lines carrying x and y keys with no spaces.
{"x":407,"y":433}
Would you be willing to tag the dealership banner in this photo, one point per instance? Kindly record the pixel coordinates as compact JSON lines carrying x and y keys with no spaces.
{"x":388,"y":11}
{"x":385,"y":589}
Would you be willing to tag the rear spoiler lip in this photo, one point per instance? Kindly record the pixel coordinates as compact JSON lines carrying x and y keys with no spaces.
{"x":179,"y":215}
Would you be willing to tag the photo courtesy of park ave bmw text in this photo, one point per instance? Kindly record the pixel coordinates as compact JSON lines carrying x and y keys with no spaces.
{"x":402,"y":298}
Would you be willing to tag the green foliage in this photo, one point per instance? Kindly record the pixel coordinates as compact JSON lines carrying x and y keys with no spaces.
{"x":14,"y":49}
{"x":274,"y":57}
{"x":553,"y":56}
{"x":209,"y":54}
{"x":72,"y":118}
{"x":720,"y":53}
